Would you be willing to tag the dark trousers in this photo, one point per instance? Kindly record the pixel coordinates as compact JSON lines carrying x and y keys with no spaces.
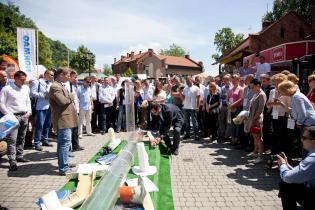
{"x":106,"y":117}
{"x":176,"y":138}
{"x":282,"y":140}
{"x":296,"y":193}
{"x":211,"y":125}
{"x":200,"y":119}
{"x":96,"y":116}
{"x":75,"y":138}
{"x":267,"y":130}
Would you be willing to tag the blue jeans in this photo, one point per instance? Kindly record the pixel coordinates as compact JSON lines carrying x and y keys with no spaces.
{"x":63,"y":147}
{"x":190,"y":113}
{"x":235,"y":128}
{"x":43,"y":122}
{"x":121,"y":121}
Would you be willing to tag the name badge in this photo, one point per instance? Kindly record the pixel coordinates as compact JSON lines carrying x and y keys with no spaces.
{"x":231,"y":100}
{"x":291,"y":124}
{"x":275,"y":113}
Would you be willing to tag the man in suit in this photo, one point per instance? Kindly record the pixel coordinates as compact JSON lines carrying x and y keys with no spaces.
{"x":64,"y":117}
{"x":169,"y":115}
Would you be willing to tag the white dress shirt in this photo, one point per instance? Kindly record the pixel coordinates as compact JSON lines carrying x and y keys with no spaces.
{"x":73,"y":90}
{"x":106,"y":94}
{"x":14,"y":99}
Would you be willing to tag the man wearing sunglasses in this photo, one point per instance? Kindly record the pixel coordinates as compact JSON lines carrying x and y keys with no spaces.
{"x":297,"y":184}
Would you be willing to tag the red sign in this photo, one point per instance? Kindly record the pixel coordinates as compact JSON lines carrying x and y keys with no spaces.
{"x":277,"y":54}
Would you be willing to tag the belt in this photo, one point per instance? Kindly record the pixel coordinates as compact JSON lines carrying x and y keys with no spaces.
{"x":19,"y":113}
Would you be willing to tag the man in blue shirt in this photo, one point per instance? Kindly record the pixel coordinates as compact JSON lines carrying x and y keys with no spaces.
{"x":39,"y":91}
{"x":297,"y":184}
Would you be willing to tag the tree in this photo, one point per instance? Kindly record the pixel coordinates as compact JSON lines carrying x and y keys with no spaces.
{"x":8,"y":45}
{"x":80,"y":61}
{"x":225,"y":39}
{"x":45,"y":52}
{"x":128,"y":73}
{"x":174,"y":50}
{"x":281,"y":7}
{"x":107,"y":70}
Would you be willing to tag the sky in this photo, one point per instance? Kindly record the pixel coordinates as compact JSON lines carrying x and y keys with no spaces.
{"x":111,"y":28}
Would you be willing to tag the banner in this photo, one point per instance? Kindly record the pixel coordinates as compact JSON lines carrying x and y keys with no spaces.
{"x":26,"y":45}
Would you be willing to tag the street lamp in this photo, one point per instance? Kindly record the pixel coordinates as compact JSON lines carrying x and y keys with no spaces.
{"x":89,"y":56}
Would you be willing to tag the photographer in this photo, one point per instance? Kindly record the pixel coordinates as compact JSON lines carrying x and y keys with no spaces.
{"x":298,"y":184}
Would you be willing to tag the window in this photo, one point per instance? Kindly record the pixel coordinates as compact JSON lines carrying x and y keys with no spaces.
{"x":282,"y":32}
{"x":301,"y":33}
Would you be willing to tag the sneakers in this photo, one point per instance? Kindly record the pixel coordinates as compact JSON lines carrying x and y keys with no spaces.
{"x":252,"y":155}
{"x":258,"y":160}
{"x":64,"y":173}
{"x":90,"y":134}
{"x":45,"y":144}
{"x":38,"y":148}
{"x":22,"y":160}
{"x":80,"y":136}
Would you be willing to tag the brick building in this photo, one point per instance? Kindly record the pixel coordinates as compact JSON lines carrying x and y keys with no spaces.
{"x":289,"y":28}
{"x":154,"y":65}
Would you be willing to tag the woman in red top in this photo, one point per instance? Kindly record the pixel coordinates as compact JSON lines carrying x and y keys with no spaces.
{"x":311,"y":93}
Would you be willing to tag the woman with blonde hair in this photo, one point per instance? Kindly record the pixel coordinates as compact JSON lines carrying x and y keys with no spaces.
{"x":235,"y":97}
{"x":212,"y":110}
{"x":282,"y":140}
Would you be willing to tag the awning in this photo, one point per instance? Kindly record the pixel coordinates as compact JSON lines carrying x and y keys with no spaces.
{"x":285,"y":52}
{"x":231,"y":58}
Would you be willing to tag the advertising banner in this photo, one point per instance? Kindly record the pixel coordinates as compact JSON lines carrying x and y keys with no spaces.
{"x":26,"y":45}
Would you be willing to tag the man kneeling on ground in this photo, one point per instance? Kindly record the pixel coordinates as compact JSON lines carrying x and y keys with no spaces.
{"x":297,"y":184}
{"x":169,"y":115}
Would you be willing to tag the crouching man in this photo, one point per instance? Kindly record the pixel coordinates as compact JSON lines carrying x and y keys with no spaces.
{"x":169,"y":115}
{"x":297,"y":184}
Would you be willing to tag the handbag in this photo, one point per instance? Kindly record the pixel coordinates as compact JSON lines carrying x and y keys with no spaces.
{"x":255,"y":129}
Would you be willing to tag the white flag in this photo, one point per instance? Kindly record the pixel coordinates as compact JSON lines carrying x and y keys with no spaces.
{"x":26,"y":44}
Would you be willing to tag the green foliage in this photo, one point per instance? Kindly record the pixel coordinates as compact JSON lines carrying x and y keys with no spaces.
{"x":174,"y":50}
{"x":107,"y":70}
{"x":51,"y":53}
{"x":80,"y":62}
{"x":281,"y":7}
{"x":225,"y":39}
{"x":128,"y":73}
{"x":216,"y":57}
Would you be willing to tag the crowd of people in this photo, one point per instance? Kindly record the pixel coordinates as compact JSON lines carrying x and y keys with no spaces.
{"x":250,"y":109}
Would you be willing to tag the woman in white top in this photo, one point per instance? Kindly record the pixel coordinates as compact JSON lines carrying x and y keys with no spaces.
{"x":282,"y":139}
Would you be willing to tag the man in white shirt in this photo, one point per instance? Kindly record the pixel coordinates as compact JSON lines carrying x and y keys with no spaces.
{"x":96,"y":112}
{"x":116,"y":88}
{"x":200,"y":114}
{"x":191,"y":97}
{"x":106,"y":96}
{"x":147,"y":96}
{"x":15,"y":98}
{"x":262,"y":67}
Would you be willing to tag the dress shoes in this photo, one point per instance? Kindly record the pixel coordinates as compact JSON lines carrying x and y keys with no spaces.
{"x":64,"y":173}
{"x":47,"y":144}
{"x":22,"y":160}
{"x":77,"y":149}
{"x":39,"y":148}
{"x":13,"y":167}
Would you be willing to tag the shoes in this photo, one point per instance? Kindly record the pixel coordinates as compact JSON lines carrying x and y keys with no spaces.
{"x":175,"y":152}
{"x":38,"y":148}
{"x":72,"y":165}
{"x":13,"y":167}
{"x":103,"y":132}
{"x":186,"y":137}
{"x":71,"y":155}
{"x":197,"y":138}
{"x":252,"y":155}
{"x":64,"y":173}
{"x":90,"y":134}
{"x":47,"y":144}
{"x":22,"y":160}
{"x":258,"y":160}
{"x":77,"y":149}
{"x":80,"y":136}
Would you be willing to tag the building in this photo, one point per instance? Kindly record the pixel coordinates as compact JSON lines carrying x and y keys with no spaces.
{"x":154,"y":65}
{"x":289,"y":28}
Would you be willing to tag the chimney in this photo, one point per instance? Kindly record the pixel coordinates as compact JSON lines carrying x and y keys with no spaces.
{"x":187,"y":56}
{"x":313,"y":16}
{"x":132,"y":54}
{"x":114,"y":60}
{"x":122,"y":57}
{"x":200,"y":63}
{"x":140,"y":52}
{"x":128,"y":55}
{"x":150,"y":51}
{"x":265,"y":24}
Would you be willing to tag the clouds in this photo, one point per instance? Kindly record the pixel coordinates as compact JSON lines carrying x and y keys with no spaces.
{"x":111,"y":28}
